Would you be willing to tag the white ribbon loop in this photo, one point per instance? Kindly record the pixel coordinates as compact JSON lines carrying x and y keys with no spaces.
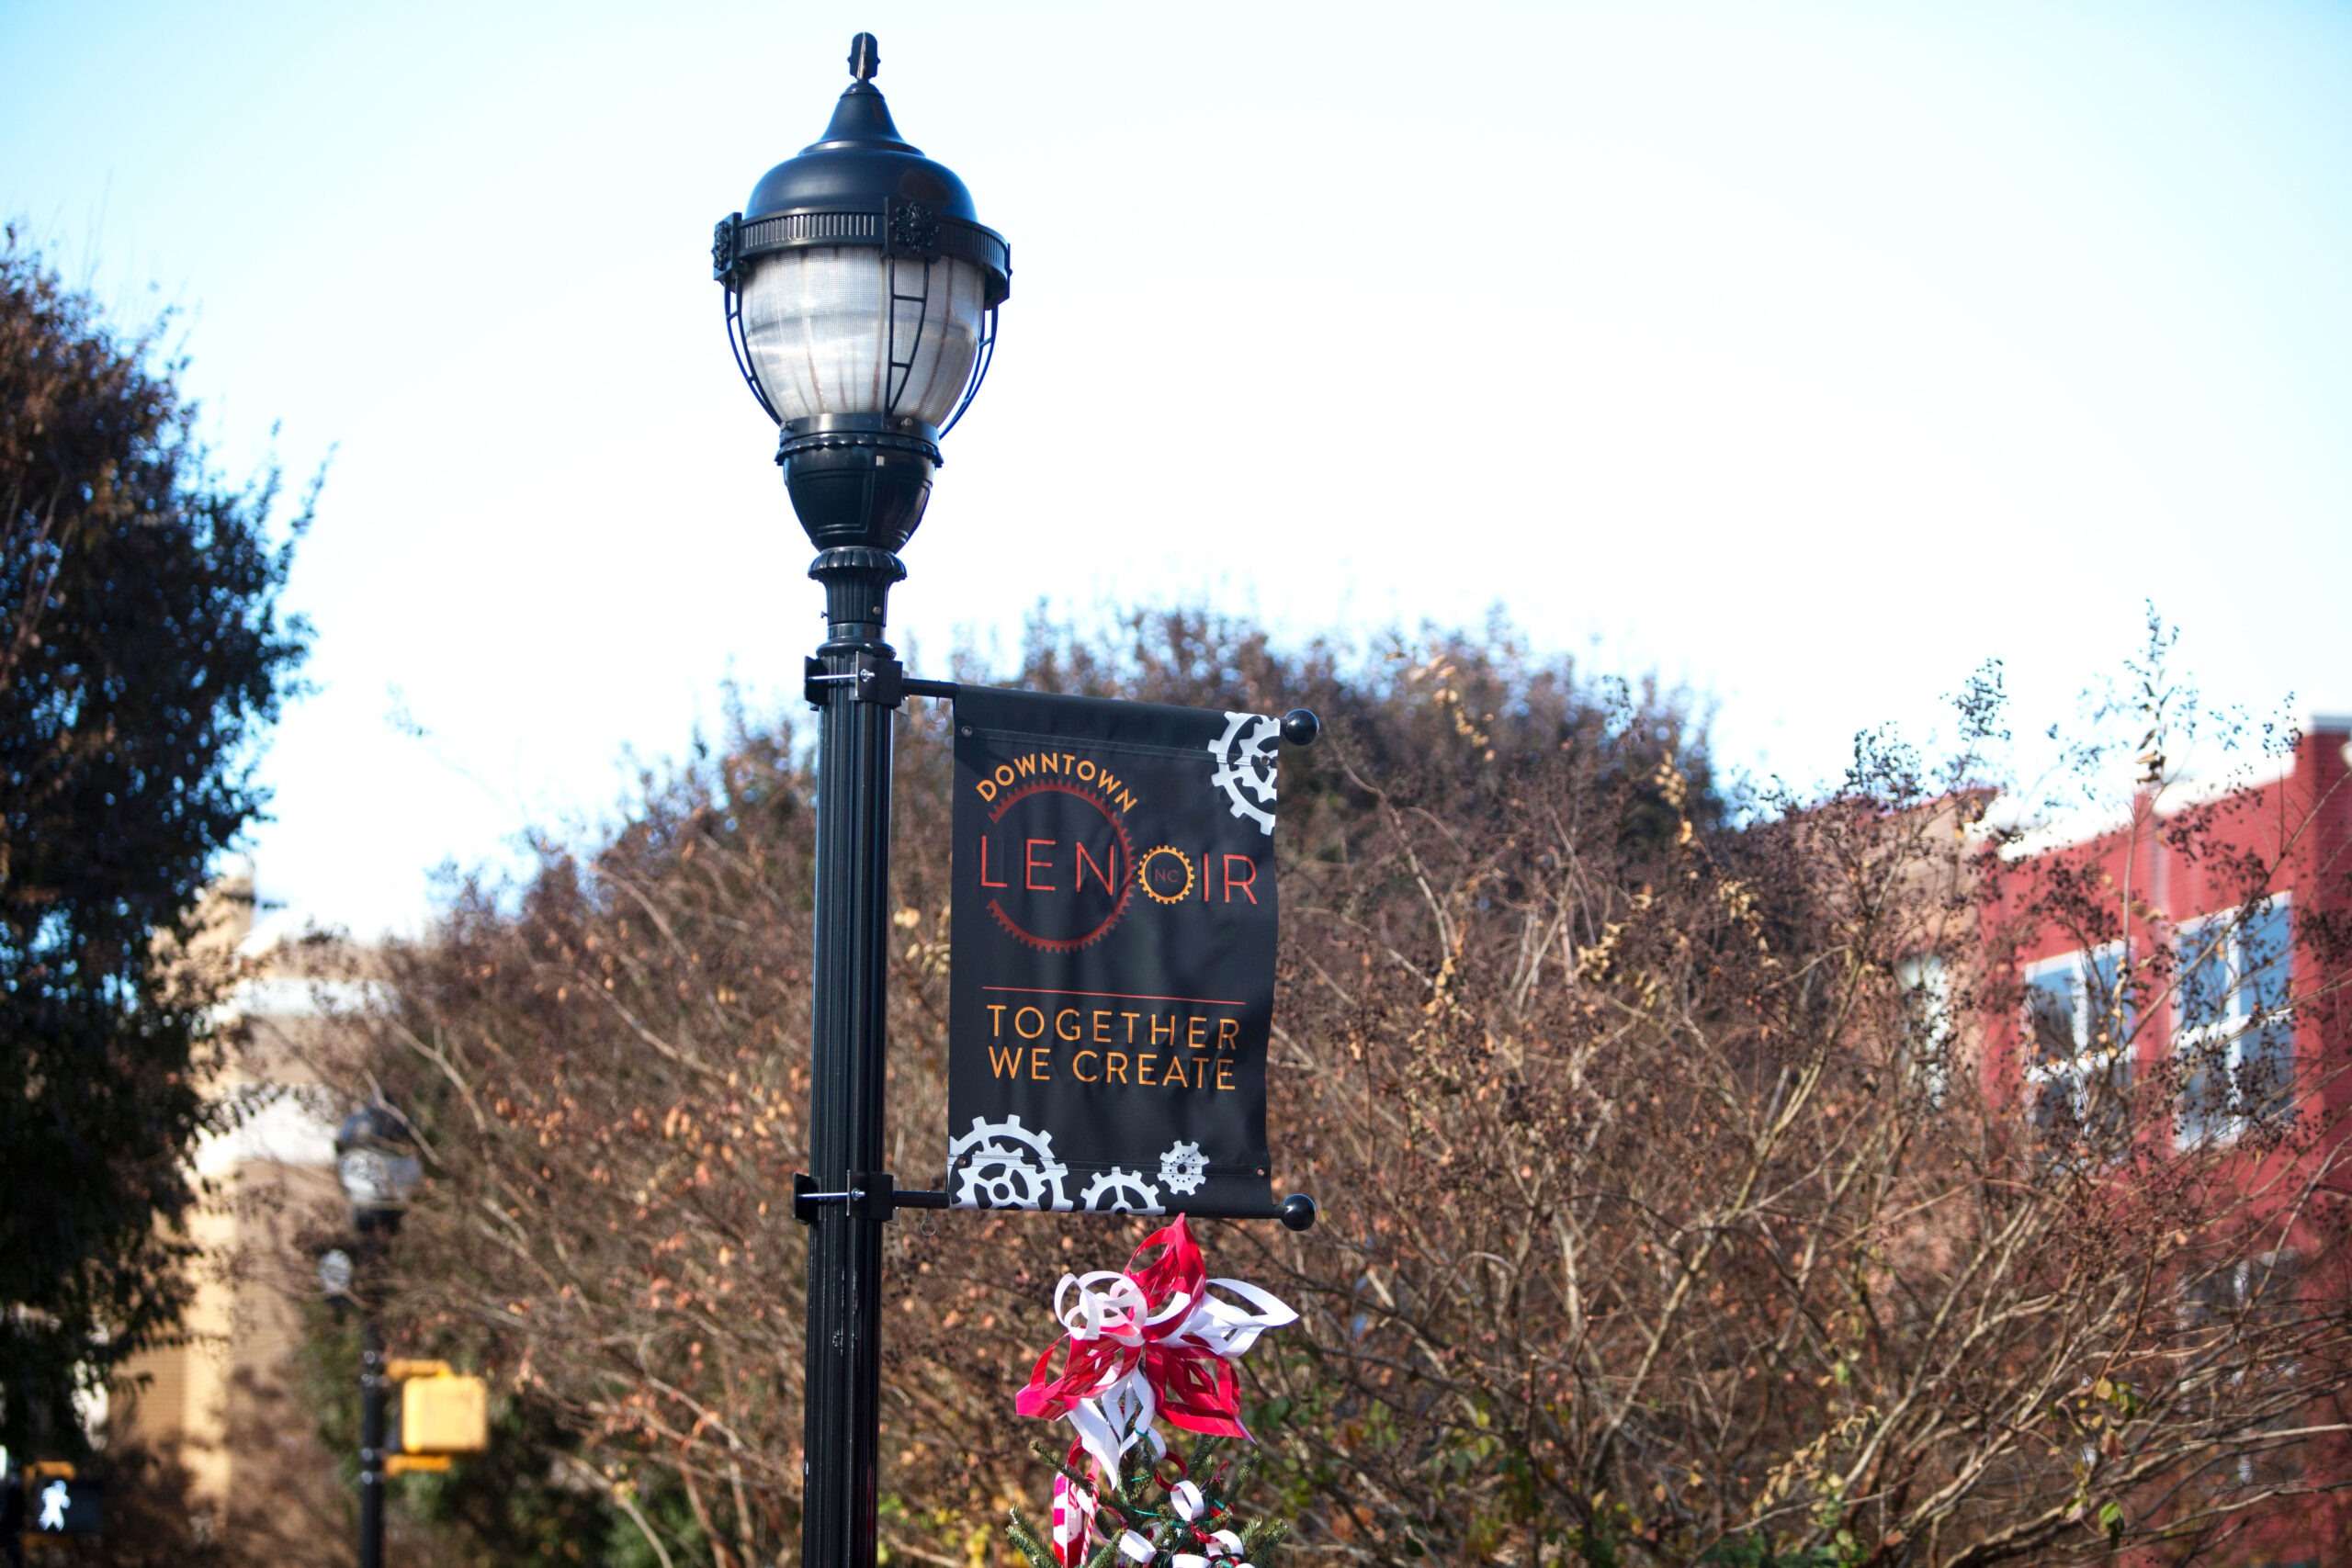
{"x":1226,"y":1331}
{"x":1117,"y":1310}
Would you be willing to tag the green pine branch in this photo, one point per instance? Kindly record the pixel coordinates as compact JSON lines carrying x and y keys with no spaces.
{"x":1261,"y":1538}
{"x":1027,"y":1541}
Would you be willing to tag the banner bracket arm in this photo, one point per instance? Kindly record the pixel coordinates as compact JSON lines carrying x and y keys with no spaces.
{"x":871,"y":1195}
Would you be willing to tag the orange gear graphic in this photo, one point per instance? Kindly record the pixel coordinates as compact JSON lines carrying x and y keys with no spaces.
{"x":1143,"y":877}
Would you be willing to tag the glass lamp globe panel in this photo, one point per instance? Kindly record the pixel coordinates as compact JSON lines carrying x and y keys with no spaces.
{"x":365,"y":1179}
{"x":401,"y":1173}
{"x":818,"y":324}
{"x":335,"y":1272}
{"x":371,"y":1176}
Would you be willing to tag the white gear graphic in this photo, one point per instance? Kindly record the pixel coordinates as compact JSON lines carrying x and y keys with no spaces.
{"x":1116,"y":1191}
{"x":1006,"y":1165}
{"x":1247,"y":761}
{"x":1183,"y":1169}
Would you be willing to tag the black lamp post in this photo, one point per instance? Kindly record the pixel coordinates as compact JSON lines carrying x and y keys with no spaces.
{"x":376,"y":1159}
{"x":860,"y":299}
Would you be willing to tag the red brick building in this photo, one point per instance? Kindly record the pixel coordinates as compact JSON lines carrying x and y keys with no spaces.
{"x":2164,"y":1002}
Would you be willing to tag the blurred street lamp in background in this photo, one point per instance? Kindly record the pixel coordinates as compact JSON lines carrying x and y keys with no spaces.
{"x":376,"y":1158}
{"x":861,"y":296}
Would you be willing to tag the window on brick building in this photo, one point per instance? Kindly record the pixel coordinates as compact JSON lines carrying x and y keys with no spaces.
{"x":1925,"y":981}
{"x":2234,"y":1036}
{"x":2079,"y":1024}
{"x":2262,"y":1290}
{"x":2246,"y":1316}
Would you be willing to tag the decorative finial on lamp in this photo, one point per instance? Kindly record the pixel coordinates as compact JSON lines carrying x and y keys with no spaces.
{"x":865,"y":57}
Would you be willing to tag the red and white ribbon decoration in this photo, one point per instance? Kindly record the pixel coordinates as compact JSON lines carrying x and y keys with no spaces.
{"x":1073,"y":1520}
{"x":1150,"y":1340}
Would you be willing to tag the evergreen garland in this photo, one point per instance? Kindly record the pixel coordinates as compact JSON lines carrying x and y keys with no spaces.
{"x":1143,"y":1499}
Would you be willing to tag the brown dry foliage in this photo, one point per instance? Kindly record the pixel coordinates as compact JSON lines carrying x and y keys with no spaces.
{"x":1660,"y":1225}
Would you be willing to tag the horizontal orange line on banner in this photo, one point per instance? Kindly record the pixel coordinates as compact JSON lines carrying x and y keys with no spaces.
{"x":1122,"y":995}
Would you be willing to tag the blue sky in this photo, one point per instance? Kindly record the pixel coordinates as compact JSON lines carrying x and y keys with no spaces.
{"x":1809,"y":353}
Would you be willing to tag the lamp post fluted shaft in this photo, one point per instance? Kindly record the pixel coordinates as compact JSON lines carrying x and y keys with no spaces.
{"x":376,"y":1158}
{"x":841,"y":1466}
{"x":371,"y":1443}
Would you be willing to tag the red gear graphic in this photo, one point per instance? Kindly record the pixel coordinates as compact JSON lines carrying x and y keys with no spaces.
{"x":1127,"y":875}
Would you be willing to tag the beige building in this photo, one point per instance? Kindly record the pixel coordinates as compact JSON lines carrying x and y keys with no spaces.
{"x":233,"y":1405}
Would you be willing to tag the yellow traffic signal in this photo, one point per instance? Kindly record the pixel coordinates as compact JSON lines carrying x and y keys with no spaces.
{"x":444,"y":1414}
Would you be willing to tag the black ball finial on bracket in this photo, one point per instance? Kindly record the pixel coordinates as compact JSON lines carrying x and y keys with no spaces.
{"x":1298,"y":1212}
{"x":865,"y":57}
{"x":1300,"y":727}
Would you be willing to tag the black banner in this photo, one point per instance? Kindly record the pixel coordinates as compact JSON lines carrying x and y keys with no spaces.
{"x":1112,"y":966}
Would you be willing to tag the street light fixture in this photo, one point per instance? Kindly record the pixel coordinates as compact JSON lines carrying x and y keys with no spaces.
{"x":861,"y":296}
{"x":860,"y":299}
{"x":377,"y":1161}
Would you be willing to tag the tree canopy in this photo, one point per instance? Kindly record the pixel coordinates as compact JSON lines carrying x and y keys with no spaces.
{"x":1666,"y":1216}
{"x":144,"y":653}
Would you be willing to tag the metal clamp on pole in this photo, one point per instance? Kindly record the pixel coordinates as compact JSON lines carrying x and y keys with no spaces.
{"x":871,"y":1195}
{"x":878,"y":680}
